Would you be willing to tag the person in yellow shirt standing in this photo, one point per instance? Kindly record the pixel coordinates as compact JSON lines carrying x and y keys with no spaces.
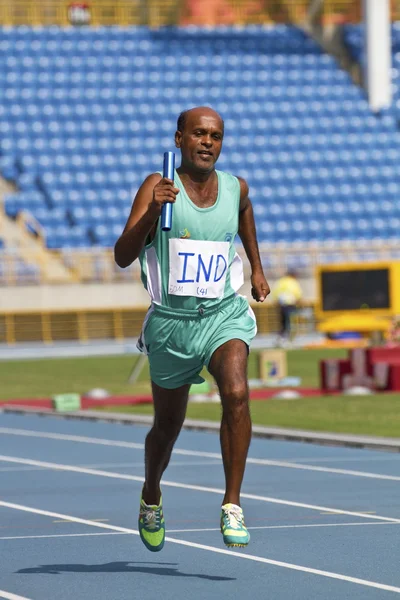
{"x":287,"y":294}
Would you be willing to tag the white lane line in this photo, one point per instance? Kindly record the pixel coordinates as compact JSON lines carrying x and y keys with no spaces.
{"x":287,"y":465}
{"x":186,"y":486}
{"x":240,"y":556}
{"x":9,"y":596}
{"x":60,"y":535}
{"x":120,"y":464}
{"x":69,"y":438}
{"x":138,"y":446}
{"x":283,"y":526}
{"x":385,"y":457}
{"x":67,"y":535}
{"x":215,"y":455}
{"x":66,"y":520}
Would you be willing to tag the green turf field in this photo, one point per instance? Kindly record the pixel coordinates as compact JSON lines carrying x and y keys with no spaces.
{"x":376,"y":415}
{"x":43,"y":378}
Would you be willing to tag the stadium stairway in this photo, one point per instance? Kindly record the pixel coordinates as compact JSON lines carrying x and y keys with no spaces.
{"x":331,"y":38}
{"x":26,"y":252}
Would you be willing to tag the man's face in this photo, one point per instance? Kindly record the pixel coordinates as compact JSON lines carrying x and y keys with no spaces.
{"x":201,"y":140}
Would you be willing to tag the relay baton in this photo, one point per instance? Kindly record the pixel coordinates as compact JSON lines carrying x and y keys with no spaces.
{"x":168,"y":173}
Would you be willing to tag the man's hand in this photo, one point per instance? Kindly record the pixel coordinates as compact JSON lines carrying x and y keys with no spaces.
{"x":260,"y":288}
{"x":163,"y":192}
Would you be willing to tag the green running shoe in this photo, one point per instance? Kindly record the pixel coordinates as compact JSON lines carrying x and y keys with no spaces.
{"x":233,"y":529}
{"x":152,"y":526}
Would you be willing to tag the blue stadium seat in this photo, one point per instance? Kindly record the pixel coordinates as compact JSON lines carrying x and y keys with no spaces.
{"x":86,"y":114}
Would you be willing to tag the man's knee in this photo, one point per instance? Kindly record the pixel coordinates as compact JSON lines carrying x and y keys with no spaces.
{"x":235,"y":398}
{"x":168,"y":427}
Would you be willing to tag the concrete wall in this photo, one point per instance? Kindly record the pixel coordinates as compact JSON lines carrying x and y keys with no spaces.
{"x":95,"y":296}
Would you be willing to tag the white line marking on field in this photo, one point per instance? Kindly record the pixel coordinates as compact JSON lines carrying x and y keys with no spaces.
{"x":240,"y":556}
{"x":66,"y":520}
{"x":385,"y":456}
{"x":139,"y":465}
{"x":287,"y":465}
{"x":69,"y":438}
{"x":197,"y":488}
{"x":138,"y":446}
{"x":67,"y":535}
{"x":365,"y":512}
{"x":60,"y":535}
{"x":215,"y":455}
{"x":9,"y":596}
{"x":285,"y":526}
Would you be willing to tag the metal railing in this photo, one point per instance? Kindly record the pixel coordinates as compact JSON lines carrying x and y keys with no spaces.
{"x":15,"y":271}
{"x":97,"y":265}
{"x":305,"y":257}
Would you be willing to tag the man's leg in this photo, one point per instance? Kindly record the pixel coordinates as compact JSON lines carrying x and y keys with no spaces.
{"x":169,"y":414}
{"x":228,"y":366}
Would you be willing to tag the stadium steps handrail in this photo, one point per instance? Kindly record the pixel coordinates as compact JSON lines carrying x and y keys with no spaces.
{"x":30,"y":247}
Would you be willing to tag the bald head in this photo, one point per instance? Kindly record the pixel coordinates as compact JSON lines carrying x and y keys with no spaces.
{"x":195,"y":113}
{"x":199,"y":137}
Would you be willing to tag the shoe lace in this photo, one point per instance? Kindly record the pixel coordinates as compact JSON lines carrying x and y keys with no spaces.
{"x":151,"y":517}
{"x":234,"y":516}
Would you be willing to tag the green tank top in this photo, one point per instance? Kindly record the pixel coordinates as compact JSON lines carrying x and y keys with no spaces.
{"x":195,"y":265}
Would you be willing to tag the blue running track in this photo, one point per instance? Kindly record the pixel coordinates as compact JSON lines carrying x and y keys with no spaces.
{"x":323,"y":520}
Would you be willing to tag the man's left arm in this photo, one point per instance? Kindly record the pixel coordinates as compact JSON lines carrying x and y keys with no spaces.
{"x":247,"y":232}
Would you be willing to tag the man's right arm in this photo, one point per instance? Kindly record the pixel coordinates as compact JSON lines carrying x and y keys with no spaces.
{"x":146,"y":210}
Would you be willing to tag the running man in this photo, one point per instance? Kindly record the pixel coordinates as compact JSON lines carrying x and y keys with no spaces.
{"x":192,"y":274}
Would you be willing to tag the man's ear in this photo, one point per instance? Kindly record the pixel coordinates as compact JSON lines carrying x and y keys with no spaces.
{"x":178,"y":139}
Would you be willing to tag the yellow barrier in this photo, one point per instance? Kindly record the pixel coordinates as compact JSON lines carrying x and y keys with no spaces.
{"x":241,"y":12}
{"x":350,"y":11}
{"x":82,"y":326}
{"x":115,"y":324}
{"x":155,"y":12}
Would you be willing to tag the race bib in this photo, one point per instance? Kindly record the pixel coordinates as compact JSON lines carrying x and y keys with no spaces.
{"x":197,"y":268}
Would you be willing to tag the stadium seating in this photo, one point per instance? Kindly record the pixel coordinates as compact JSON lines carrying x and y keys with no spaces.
{"x":86,"y":114}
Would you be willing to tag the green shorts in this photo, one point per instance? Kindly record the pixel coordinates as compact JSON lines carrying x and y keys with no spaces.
{"x":180,"y":344}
